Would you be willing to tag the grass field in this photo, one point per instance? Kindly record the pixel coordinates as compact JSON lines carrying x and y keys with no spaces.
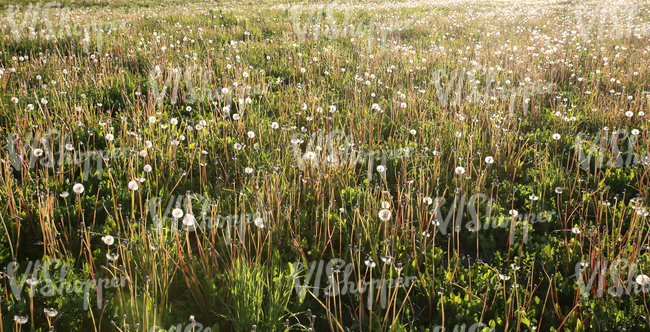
{"x":324,"y":166}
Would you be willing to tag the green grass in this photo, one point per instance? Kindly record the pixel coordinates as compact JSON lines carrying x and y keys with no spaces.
{"x":381,"y":100}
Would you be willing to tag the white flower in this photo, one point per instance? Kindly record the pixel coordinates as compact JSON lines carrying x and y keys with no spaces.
{"x":173,"y":121}
{"x":251,"y":134}
{"x":152,"y":119}
{"x":110,"y":137}
{"x":20,"y":319}
{"x":558,"y":190}
{"x":177,"y":213}
{"x":575,"y":230}
{"x":310,"y":155}
{"x":370,"y":263}
{"x":259,"y":222}
{"x":460,"y":170}
{"x":302,"y":70}
{"x":533,"y":197}
{"x":108,"y":240}
{"x":225,"y":91}
{"x":504,"y":277}
{"x":133,"y":185}
{"x":14,"y":100}
{"x":38,"y":152}
{"x":514,"y":213}
{"x":385,"y":205}
{"x":643,"y":280}
{"x":427,"y":200}
{"x":143,"y":153}
{"x":112,"y":257}
{"x":413,"y":132}
{"x":248,"y":170}
{"x":235,"y":116}
{"x":489,"y":160}
{"x":629,"y":114}
{"x":402,"y":105}
{"x":188,"y":220}
{"x":64,"y":194}
{"x":147,"y":168}
{"x":384,"y":215}
{"x":43,"y":101}
{"x":51,"y":312}
{"x":237,"y":146}
{"x":635,"y":132}
{"x":275,"y":125}
{"x":78,"y":188}
{"x":69,"y":147}
{"x":556,"y":136}
{"x":381,"y":168}
{"x":245,"y":74}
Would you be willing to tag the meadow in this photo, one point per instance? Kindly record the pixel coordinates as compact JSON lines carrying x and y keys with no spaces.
{"x":435,"y":165}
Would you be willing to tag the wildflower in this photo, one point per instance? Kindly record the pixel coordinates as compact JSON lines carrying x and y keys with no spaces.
{"x":112,"y":257}
{"x":460,"y":170}
{"x":64,"y":194}
{"x":426,"y":233}
{"x":43,"y":101}
{"x":384,"y":215}
{"x":629,"y":114}
{"x":387,"y":259}
{"x":402,"y":105}
{"x":31,"y":281}
{"x":635,"y":132}
{"x":427,"y":200}
{"x":248,"y":170}
{"x":381,"y":169}
{"x":514,"y":267}
{"x":556,"y":136}
{"x":177,"y":213}
{"x":504,"y":277}
{"x":38,"y":152}
{"x":173,"y":121}
{"x":110,"y":137}
{"x":533,"y":197}
{"x":152,"y":119}
{"x":259,"y":222}
{"x":20,"y":319}
{"x":235,"y":116}
{"x":108,"y":240}
{"x":275,"y":125}
{"x":643,"y":280}
{"x":370,"y":263}
{"x":385,"y":205}
{"x":575,"y":230}
{"x":188,"y":220}
{"x":489,"y":160}
{"x":332,"y":109}
{"x":413,"y":132}
{"x":237,"y":146}
{"x":133,"y":185}
{"x":78,"y":188}
{"x":14,"y":100}
{"x":514,"y":213}
{"x":558,"y":190}
{"x":50,"y":312}
{"x":251,"y":134}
